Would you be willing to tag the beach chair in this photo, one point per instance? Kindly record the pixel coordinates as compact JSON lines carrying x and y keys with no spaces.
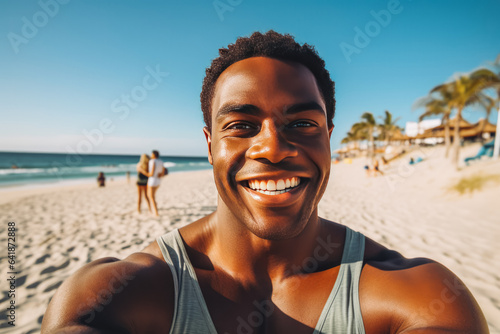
{"x":485,"y":150}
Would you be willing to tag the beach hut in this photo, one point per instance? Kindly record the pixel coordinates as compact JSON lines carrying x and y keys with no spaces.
{"x":453,"y":122}
{"x":399,"y":137}
{"x":438,"y":131}
{"x":483,"y":126}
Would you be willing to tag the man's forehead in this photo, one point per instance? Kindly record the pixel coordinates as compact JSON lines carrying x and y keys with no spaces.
{"x":262,"y":78}
{"x":266,"y":65}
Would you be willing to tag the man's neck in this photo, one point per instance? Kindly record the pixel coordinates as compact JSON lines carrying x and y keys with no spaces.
{"x":243,"y":254}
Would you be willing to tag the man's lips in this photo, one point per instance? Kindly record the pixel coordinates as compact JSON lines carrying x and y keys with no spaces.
{"x":275,"y":198}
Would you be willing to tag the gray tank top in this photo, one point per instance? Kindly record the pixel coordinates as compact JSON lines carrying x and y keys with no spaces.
{"x":341,"y":314}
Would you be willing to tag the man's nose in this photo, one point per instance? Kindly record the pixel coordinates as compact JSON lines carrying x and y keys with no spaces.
{"x":271,"y":143}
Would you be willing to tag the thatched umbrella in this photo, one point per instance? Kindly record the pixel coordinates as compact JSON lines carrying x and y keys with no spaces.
{"x":398,"y":136}
{"x":477,"y":129}
{"x":466,"y":129}
{"x":453,"y":122}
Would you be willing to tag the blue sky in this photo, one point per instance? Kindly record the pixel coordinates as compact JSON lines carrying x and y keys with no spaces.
{"x":67,"y":67}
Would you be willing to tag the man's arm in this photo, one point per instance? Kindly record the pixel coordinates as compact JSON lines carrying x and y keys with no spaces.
{"x":142,"y":170}
{"x":152,"y":167}
{"x":110,"y":296}
{"x":415,"y":296}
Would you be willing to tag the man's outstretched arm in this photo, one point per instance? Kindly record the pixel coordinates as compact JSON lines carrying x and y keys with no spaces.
{"x":112,"y":296}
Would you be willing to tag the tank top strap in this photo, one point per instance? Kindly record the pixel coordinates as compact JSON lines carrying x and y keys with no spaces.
{"x":342,"y":312}
{"x":168,"y":248}
{"x":354,"y":248}
{"x":191,"y":314}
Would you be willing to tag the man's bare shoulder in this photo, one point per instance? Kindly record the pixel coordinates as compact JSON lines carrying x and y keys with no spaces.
{"x":135,"y":294}
{"x":416,"y":295}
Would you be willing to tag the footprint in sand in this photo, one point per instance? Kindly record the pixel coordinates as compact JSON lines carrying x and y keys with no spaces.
{"x":52,"y":268}
{"x":34,"y":285}
{"x":41,"y":259}
{"x":53,"y":286}
{"x":137,"y":241}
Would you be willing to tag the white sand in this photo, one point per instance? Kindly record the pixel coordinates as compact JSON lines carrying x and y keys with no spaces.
{"x":410,"y":210}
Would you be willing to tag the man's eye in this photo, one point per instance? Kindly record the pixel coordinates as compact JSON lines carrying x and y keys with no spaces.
{"x":301,"y":124}
{"x":239,"y":126}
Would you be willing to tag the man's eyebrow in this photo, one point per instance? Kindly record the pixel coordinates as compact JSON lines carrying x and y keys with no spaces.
{"x":250,"y":109}
{"x":237,"y":108}
{"x":307,"y":106}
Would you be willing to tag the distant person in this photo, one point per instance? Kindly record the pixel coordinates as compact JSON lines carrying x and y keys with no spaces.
{"x":142,"y":181}
{"x":415,"y":161}
{"x":155,"y":173}
{"x":376,"y":168}
{"x":128,"y":177}
{"x":367,"y":169}
{"x":101,"y":179}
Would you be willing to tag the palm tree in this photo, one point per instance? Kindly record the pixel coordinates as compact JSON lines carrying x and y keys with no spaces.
{"x":388,"y":127}
{"x":365,"y":129}
{"x":350,"y":137}
{"x":491,"y":80}
{"x":488,"y":103}
{"x":438,"y":104}
{"x":465,"y":90}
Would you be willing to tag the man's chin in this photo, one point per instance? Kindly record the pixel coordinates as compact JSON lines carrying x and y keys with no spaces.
{"x":277,"y":229}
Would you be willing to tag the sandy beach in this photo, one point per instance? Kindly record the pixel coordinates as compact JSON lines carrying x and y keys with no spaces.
{"x":411,"y":209}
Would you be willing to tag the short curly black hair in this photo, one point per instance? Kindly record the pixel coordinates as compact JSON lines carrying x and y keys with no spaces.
{"x":273,"y":45}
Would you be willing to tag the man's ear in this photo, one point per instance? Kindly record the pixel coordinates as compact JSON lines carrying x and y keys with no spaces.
{"x":208,"y":137}
{"x":330,"y":129}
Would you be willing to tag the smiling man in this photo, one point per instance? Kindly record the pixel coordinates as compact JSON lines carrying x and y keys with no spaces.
{"x":264,"y":261}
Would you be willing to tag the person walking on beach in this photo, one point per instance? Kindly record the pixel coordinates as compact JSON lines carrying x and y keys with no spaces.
{"x":101,"y":179}
{"x":154,"y":179}
{"x":142,"y":181}
{"x":376,"y":167}
{"x":264,"y":261}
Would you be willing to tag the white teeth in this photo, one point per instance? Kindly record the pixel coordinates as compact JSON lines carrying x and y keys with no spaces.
{"x":296,"y":181}
{"x":277,"y":192}
{"x":272,"y":187}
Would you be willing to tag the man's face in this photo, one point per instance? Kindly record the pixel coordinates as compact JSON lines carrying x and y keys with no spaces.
{"x":269,"y":145}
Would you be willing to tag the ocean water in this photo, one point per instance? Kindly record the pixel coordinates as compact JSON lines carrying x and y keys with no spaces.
{"x":45,"y":168}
